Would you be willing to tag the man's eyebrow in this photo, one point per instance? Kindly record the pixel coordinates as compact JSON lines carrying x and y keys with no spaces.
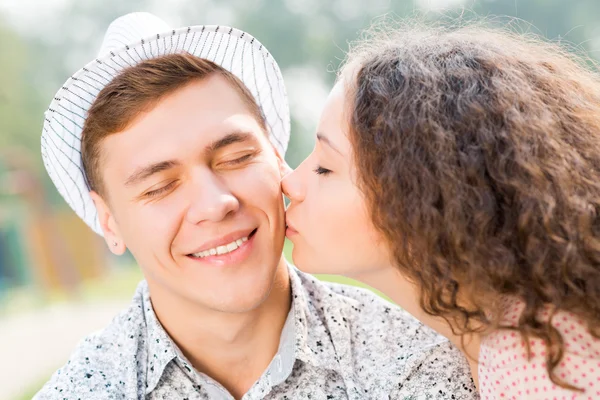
{"x":145,"y":172}
{"x":227,"y":140}
{"x":322,"y":138}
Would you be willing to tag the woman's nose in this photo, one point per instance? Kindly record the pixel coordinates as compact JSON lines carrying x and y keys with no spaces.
{"x":291,"y":185}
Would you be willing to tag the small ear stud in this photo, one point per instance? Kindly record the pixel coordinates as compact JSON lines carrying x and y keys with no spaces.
{"x":115,"y":244}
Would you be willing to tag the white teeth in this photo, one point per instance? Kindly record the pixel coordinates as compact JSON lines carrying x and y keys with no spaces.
{"x":219,"y":250}
{"x":232,"y":246}
{"x":222,"y":250}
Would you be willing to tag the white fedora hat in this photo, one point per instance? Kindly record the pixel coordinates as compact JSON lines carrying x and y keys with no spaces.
{"x":130,"y":40}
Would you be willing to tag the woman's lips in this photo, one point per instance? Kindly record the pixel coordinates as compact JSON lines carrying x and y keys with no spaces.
{"x":290,"y":230}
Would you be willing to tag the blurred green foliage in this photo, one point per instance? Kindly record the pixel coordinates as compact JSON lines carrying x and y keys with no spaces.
{"x":299,"y":33}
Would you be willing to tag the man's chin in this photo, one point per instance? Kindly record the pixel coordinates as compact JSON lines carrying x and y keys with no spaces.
{"x":244,"y":293}
{"x":240,"y":303}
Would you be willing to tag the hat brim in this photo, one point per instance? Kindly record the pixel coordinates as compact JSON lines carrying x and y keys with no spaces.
{"x":232,"y":49}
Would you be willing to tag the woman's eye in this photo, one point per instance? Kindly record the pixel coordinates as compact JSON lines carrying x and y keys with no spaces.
{"x":322,"y":171}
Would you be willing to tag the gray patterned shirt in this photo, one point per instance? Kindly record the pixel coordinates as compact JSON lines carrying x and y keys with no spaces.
{"x":338,"y":342}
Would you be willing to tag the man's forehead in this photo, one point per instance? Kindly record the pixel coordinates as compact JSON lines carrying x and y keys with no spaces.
{"x":172,"y":144}
{"x":154,"y":136}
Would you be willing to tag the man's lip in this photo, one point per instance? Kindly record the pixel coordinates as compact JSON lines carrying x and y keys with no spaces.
{"x":223,"y":240}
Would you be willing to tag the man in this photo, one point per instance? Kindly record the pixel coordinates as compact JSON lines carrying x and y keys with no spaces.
{"x":171,"y":146}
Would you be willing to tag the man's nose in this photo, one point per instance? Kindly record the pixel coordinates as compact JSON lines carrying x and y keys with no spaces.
{"x":210,"y":199}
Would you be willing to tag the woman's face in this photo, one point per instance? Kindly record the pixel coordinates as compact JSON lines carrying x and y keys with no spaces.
{"x":328,"y":220}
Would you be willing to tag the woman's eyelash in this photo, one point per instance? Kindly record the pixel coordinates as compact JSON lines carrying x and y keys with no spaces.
{"x":322,"y":171}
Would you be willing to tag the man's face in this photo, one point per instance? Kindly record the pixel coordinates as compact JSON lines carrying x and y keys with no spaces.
{"x":193,"y":192}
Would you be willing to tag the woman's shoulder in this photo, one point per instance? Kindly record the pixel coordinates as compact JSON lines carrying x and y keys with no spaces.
{"x":505,"y":367}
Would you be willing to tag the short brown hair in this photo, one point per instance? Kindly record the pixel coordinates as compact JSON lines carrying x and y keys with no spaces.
{"x":478,"y":151}
{"x":137,"y":89}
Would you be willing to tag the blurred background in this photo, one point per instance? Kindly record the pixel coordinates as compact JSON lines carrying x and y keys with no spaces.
{"x":57,"y":280}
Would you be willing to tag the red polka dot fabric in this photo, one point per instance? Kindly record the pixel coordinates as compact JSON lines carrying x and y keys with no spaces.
{"x":506,"y":373}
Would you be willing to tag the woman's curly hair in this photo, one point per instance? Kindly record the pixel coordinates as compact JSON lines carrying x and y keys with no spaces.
{"x":478,"y":151}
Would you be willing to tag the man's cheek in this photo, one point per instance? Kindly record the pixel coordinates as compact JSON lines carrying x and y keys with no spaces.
{"x":261,"y":179}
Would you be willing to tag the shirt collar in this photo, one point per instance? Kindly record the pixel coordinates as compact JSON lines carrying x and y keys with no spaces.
{"x":161,"y":349}
{"x":283,"y":363}
{"x":314,"y":340}
{"x":323,"y":334}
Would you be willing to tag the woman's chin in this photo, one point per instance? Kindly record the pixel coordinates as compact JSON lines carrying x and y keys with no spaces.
{"x":307,"y":263}
{"x":299,"y":262}
{"x":316,"y":266}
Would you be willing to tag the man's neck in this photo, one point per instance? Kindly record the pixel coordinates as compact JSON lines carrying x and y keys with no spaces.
{"x":232,"y":348}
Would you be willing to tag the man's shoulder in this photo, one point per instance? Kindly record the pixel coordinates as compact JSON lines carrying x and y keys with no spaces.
{"x":370,"y":315}
{"x":439,"y":371}
{"x":388,"y":346}
{"x":104,"y":364}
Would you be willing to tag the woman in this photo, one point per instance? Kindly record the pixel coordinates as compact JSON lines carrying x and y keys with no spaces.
{"x":458,"y":171}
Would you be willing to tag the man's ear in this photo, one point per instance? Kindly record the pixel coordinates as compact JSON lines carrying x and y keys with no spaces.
{"x":109,"y":226}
